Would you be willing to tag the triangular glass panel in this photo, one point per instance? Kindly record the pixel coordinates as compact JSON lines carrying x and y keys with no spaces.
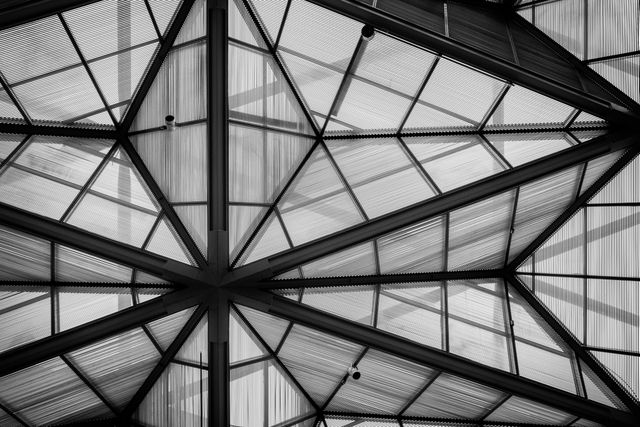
{"x":380,"y":173}
{"x":623,"y":188}
{"x":194,"y":218}
{"x":118,"y":365}
{"x":521,"y":148}
{"x":621,"y":72}
{"x":585,"y":119}
{"x":271,"y":15}
{"x":261,"y":163}
{"x":452,"y":397}
{"x":597,"y":167}
{"x":23,"y":257}
{"x":519,"y":410}
{"x":34,"y":394}
{"x":356,"y":261}
{"x":187,"y":404}
{"x":72,"y":265}
{"x":413,"y":311}
{"x":25,"y":315}
{"x":539,"y":203}
{"x":243,"y":344}
{"x":351,"y":302}
{"x":46,"y":176}
{"x":317,"y":361}
{"x":78,"y":305}
{"x":270,"y":328}
{"x":381,"y":372}
{"x":417,"y":248}
{"x":241,"y":25}
{"x":166,"y":242}
{"x":317,"y":203}
{"x":597,"y":390}
{"x":542,"y":356}
{"x":479,"y":233}
{"x":563,"y":252}
{"x":243,"y":220}
{"x":266,"y":395}
{"x":455,"y":96}
{"x":523,"y":108}
{"x":624,"y":368}
{"x":196,"y":348}
{"x":122,"y":201}
{"x":454,"y":160}
{"x":179,"y":88}
{"x":166,"y":329}
{"x":8,"y":109}
{"x":163,"y":12}
{"x":270,"y":239}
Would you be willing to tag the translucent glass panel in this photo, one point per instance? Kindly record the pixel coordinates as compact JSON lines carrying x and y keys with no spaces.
{"x":241,"y":26}
{"x":613,"y":310}
{"x":179,"y":397}
{"x":243,"y":220}
{"x":623,"y":73}
{"x":166,"y":329}
{"x":118,"y":365}
{"x":623,"y":188}
{"x":163,"y":12}
{"x":23,"y":257}
{"x":520,"y":148}
{"x":596,"y":167}
{"x":356,"y":261}
{"x":78,"y":305}
{"x":35,"y":394}
{"x":196,"y":348}
{"x":523,"y":108}
{"x":195,"y":26}
{"x":452,"y":397}
{"x":261,"y":162}
{"x":179,"y":89}
{"x":352,"y":302}
{"x":270,"y":328}
{"x":269,"y":240}
{"x":624,"y":368}
{"x":265,"y":396}
{"x":317,"y":361}
{"x":479,"y":233}
{"x":49,"y":172}
{"x":453,"y":161}
{"x":194,"y":219}
{"x":386,"y":385}
{"x":74,"y":266}
{"x":259,"y":94}
{"x":243,"y":344}
{"x":454,"y":97}
{"x":564,"y":251}
{"x":25,"y":315}
{"x":8,"y":109}
{"x":612,"y":28}
{"x":165,"y":241}
{"x":271,"y":14}
{"x":564,"y":22}
{"x":517,"y":409}
{"x":380,"y":174}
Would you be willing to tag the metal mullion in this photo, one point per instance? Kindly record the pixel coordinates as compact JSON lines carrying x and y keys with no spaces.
{"x":124,"y":203}
{"x":344,"y":181}
{"x":282,"y":24}
{"x":514,"y":50}
{"x":613,"y":351}
{"x":572,"y":118}
{"x":257,"y":205}
{"x":153,"y":19}
{"x":344,"y":84}
{"x":12,"y":415}
{"x":578,"y":363}
{"x":511,"y":226}
{"x":448,"y":112}
{"x":581,"y":276}
{"x":585,"y":269}
{"x":89,"y":384}
{"x":284,"y":227}
{"x":188,"y":364}
{"x":269,"y":128}
{"x":94,"y":112}
{"x":311,"y":201}
{"x":10,"y":159}
{"x":494,"y":151}
{"x":576,"y":371}
{"x":153,"y":229}
{"x":415,"y":304}
{"x":609,"y":57}
{"x":581,"y":181}
{"x":15,"y":100}
{"x":196,"y":40}
{"x":248,"y":362}
{"x":92,"y":178}
{"x":494,"y":106}
{"x":140,"y":167}
{"x":87,"y":69}
{"x":417,"y":395}
{"x":296,"y":421}
{"x":378,"y":286}
{"x":264,"y":219}
{"x":153,"y":340}
{"x":509,"y":320}
{"x":344,"y":380}
{"x":285,"y":335}
{"x":495,"y":406}
{"x":44,"y":175}
{"x":416,"y":163}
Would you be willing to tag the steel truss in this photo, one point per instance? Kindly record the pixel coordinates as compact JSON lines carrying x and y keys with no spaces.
{"x":212,"y":288}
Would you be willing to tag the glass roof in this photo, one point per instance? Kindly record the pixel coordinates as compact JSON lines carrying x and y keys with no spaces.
{"x":462,"y":229}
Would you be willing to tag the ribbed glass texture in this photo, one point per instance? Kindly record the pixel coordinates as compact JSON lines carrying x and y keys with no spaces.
{"x":163,"y":12}
{"x":269,"y":240}
{"x":518,"y":409}
{"x":355,"y":261}
{"x":564,"y":22}
{"x":80,"y":305}
{"x":625,"y":369}
{"x":25,"y":315}
{"x":75,"y":266}
{"x":352,"y":302}
{"x":521,"y":148}
{"x":165,"y":241}
{"x":596,"y":167}
{"x":613,"y":310}
{"x":270,"y":328}
{"x":195,"y":26}
{"x":23,"y":256}
{"x":270,"y":13}
{"x":612,"y":27}
{"x":624,"y":73}
{"x":623,"y":188}
{"x":564,"y":296}
{"x":166,"y":329}
{"x":564,"y":251}
{"x":243,"y":345}
{"x":196,"y":348}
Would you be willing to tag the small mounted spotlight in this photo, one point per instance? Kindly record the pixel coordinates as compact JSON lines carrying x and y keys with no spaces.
{"x":368,"y":32}
{"x":170,"y":122}
{"x":354,"y":372}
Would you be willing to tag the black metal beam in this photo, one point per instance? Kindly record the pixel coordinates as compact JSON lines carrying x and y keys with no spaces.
{"x":316,"y":282}
{"x":154,"y":67}
{"x":432,"y":357}
{"x":68,"y":235}
{"x":577,"y":204}
{"x":218,"y":117}
{"x":81,"y":336}
{"x":27,"y":11}
{"x":575,"y":345}
{"x":56,"y":130}
{"x":166,"y":358}
{"x":535,"y":80}
{"x":219,"y":377}
{"x":438,"y":205}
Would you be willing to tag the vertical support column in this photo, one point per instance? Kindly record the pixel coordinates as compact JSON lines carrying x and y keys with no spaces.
{"x":219,"y":360}
{"x":218,"y":116}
